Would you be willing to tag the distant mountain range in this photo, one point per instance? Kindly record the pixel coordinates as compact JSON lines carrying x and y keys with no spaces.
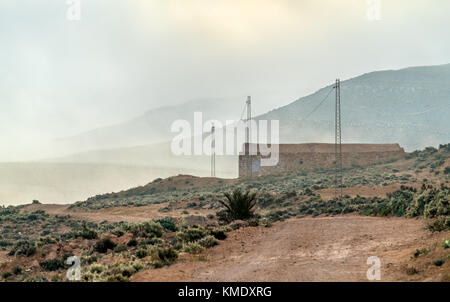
{"x":409,"y":106}
{"x":151,"y":127}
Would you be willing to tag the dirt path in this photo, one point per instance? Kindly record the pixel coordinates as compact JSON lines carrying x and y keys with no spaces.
{"x":306,"y":249}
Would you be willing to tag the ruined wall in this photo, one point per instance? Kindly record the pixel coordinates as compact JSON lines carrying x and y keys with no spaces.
{"x":306,"y":157}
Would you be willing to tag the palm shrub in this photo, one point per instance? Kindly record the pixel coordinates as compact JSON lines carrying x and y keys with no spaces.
{"x":239,"y":205}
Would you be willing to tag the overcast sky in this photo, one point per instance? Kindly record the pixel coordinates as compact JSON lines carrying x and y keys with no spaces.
{"x":124,"y":57}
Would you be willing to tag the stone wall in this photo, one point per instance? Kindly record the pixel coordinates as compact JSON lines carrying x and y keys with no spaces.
{"x":306,"y":157}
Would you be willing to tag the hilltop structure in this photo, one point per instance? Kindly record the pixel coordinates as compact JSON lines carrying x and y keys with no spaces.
{"x":304,"y":157}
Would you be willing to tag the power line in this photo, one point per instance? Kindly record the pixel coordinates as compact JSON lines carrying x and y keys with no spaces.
{"x":318,"y":106}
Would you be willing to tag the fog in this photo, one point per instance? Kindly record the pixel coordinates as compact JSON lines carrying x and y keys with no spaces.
{"x":60,"y":78}
{"x":122,"y":58}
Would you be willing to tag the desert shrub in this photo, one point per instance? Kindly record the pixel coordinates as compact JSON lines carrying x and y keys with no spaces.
{"x":117,"y":278}
{"x":266,"y":200}
{"x":191,"y":234}
{"x":219,"y":234}
{"x":253,"y":222}
{"x":46,"y":240}
{"x":208,"y":241}
{"x":90,"y":260}
{"x":5,"y":243}
{"x":439,"y":224}
{"x":97,"y":268}
{"x":23,"y":247}
{"x":167,"y":254}
{"x":52,"y":264}
{"x":439,"y":204}
{"x":36,"y":202}
{"x":151,"y":241}
{"x":87,"y":233}
{"x":417,"y":207}
{"x":239,"y":205}
{"x":17,"y":270}
{"x":168,"y":223}
{"x":35,"y":278}
{"x":439,"y":262}
{"x":104,"y":244}
{"x":6,"y":275}
{"x":399,"y":201}
{"x":132,"y":242}
{"x":142,"y":253}
{"x":423,"y":251}
{"x":193,"y":248}
{"x":147,"y":229}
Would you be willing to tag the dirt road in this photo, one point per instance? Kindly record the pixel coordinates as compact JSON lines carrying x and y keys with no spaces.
{"x":305,"y":249}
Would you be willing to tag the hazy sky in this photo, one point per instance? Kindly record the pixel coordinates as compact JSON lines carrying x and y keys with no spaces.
{"x":61,"y":77}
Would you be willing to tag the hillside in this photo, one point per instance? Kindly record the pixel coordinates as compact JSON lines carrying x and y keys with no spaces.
{"x":175,"y":229}
{"x":408,"y":106}
{"x":151,"y":127}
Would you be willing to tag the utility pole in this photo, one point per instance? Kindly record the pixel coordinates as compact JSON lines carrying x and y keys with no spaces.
{"x":248,"y":131}
{"x":248,"y":128}
{"x":213,"y":151}
{"x":338,"y":180}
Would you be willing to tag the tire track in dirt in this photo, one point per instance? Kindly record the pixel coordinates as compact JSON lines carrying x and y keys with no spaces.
{"x":305,"y":249}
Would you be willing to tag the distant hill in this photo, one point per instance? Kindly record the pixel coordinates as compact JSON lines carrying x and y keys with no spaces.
{"x":409,"y":106}
{"x":151,"y":127}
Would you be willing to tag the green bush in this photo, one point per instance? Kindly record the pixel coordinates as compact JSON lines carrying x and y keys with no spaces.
{"x":439,"y":262}
{"x":132,"y":242}
{"x":191,"y":234}
{"x":446,"y":244}
{"x":23,"y":248}
{"x":17,"y":270}
{"x":167,"y":255}
{"x":219,"y":234}
{"x":53,"y":264}
{"x":168,"y":223}
{"x":193,"y":248}
{"x":142,"y":253}
{"x":147,"y":229}
{"x":208,"y":241}
{"x":439,"y":224}
{"x":97,"y":268}
{"x":239,"y":205}
{"x":87,"y":233}
{"x":423,"y":251}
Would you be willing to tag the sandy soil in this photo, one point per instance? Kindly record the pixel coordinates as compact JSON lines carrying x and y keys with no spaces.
{"x":308,"y":249}
{"x":364,"y":191}
{"x":116,"y":214}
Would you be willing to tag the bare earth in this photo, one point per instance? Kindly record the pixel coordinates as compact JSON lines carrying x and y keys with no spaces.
{"x":308,"y":249}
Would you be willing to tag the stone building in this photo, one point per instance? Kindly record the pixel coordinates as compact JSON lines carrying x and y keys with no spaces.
{"x":304,"y":157}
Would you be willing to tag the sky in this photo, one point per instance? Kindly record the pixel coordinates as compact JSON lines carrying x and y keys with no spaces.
{"x":60,"y":77}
